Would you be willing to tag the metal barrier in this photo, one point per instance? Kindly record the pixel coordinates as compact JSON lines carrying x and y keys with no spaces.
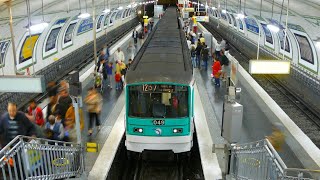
{"x":259,"y":160}
{"x":36,"y":158}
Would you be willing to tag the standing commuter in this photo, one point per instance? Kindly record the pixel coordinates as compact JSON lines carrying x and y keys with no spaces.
{"x":131,"y":50}
{"x":202,"y":40}
{"x":205,"y":56}
{"x":63,"y":103}
{"x":225,"y":65}
{"x":118,"y":55}
{"x":106,"y":52}
{"x":117,"y":78}
{"x":94,"y":106}
{"x":193,"y":56}
{"x":135,"y":36}
{"x":109,"y":72}
{"x":216,"y":69}
{"x":14,"y":123}
{"x":198,"y":54}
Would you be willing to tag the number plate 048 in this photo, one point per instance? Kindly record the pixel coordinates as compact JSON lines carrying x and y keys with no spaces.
{"x":158,"y":122}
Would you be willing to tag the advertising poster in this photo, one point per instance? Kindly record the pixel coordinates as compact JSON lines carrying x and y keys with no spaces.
{"x":267,"y":33}
{"x":305,"y":48}
{"x":85,"y":26}
{"x":52,"y":39}
{"x":3,"y":50}
{"x":69,"y":33}
{"x":252,"y":25}
{"x":27,"y":47}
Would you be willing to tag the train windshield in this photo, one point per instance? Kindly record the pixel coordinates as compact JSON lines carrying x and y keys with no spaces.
{"x":158,"y":101}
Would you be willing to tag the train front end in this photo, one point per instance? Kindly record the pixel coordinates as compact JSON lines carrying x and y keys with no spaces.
{"x":159,"y":116}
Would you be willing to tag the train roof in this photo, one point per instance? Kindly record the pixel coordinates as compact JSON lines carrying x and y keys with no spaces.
{"x":164,"y":57}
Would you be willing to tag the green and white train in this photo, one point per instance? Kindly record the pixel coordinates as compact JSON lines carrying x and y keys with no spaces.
{"x":160,"y":93}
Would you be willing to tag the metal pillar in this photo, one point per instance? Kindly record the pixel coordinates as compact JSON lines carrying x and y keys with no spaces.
{"x":94,"y":33}
{"x":77,"y":103}
{"x":8,"y":3}
{"x":285,"y":33}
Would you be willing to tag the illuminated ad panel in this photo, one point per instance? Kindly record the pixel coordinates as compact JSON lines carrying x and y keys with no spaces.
{"x":307,"y":51}
{"x":269,"y":67}
{"x":68,"y":34}
{"x":99,"y":24}
{"x":85,"y":26}
{"x":51,"y":42}
{"x":3,"y":50}
{"x":26,"y":50}
{"x":252,"y":25}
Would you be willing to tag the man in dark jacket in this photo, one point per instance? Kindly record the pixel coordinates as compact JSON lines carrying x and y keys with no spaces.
{"x":135,"y":36}
{"x":205,"y":56}
{"x":198,"y":54}
{"x":14,"y":123}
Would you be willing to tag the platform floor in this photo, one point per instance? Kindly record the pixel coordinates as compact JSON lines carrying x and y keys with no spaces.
{"x":256,"y":124}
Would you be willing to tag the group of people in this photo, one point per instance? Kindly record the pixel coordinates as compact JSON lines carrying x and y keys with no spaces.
{"x":200,"y":55}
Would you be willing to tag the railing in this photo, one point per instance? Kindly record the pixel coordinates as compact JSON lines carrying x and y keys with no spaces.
{"x":36,"y":158}
{"x":259,"y":160}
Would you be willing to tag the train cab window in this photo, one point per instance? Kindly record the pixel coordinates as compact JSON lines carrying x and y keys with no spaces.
{"x":155,"y":101}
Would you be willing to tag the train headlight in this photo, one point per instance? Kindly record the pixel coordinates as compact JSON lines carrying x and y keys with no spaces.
{"x":177,"y":130}
{"x":138,"y":130}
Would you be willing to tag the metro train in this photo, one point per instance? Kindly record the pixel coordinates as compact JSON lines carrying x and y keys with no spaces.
{"x":159,"y":92}
{"x":65,"y":34}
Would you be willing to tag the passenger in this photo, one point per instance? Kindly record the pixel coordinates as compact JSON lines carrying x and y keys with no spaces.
{"x":35,"y":114}
{"x":218,"y":49}
{"x":216,"y":70}
{"x":109,"y":72}
{"x":63,"y":103}
{"x":189,"y":43}
{"x":223,"y":44}
{"x":51,"y":106}
{"x":193,"y":56}
{"x":102,"y":56}
{"x":135,"y":36}
{"x":131,"y":50}
{"x":117,"y":78}
{"x":205,"y":56}
{"x":225,"y":65}
{"x":64,"y":85}
{"x":198,"y":54}
{"x":106,"y":52}
{"x":14,"y":123}
{"x":277,"y":138}
{"x":118,"y":55}
{"x":129,"y":63}
{"x":120,"y":66}
{"x":94,"y":106}
{"x":202,"y":40}
{"x":151,"y":25}
{"x":54,"y":130}
{"x":52,"y":89}
{"x":70,"y":123}
{"x":102,"y":70}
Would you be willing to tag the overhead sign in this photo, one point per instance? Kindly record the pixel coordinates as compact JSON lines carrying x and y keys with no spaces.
{"x":269,"y":67}
{"x":202,"y":18}
{"x":22,"y":84}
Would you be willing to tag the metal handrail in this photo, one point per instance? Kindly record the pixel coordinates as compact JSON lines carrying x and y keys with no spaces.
{"x":37,"y":158}
{"x":259,"y":160}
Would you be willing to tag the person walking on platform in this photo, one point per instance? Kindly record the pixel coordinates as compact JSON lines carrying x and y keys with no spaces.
{"x":14,"y":123}
{"x":205,"y":56}
{"x":70,"y":123}
{"x":94,"y":105}
{"x":35,"y":114}
{"x":109,"y":72}
{"x":63,"y":103}
{"x":216,"y":70}
{"x":118,"y":55}
{"x":198,"y":54}
{"x":135,"y":35}
{"x":117,"y":78}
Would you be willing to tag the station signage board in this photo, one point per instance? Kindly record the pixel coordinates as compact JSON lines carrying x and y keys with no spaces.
{"x":202,"y":18}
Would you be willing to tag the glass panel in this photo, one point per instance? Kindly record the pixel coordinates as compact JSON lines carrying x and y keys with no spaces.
{"x":158,"y":101}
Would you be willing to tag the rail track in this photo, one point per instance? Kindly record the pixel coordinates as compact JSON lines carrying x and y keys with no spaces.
{"x":303,"y":114}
